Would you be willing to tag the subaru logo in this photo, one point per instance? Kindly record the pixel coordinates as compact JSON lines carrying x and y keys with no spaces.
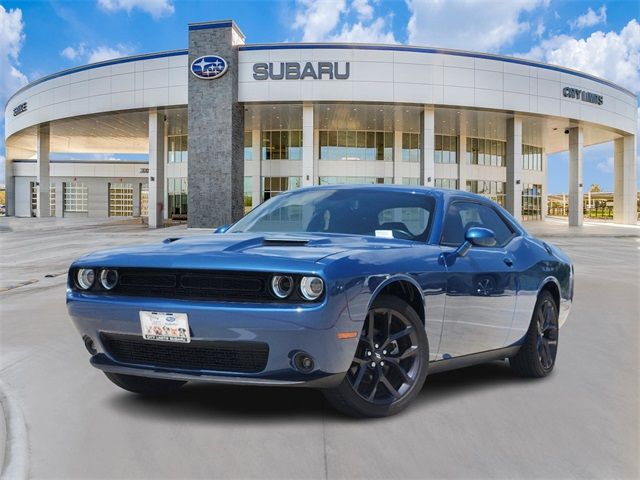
{"x":209,"y":67}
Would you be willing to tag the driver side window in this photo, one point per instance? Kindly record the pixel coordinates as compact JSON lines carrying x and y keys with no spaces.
{"x":464,"y":215}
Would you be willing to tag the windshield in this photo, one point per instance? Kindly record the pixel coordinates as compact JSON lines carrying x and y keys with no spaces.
{"x":356,"y":211}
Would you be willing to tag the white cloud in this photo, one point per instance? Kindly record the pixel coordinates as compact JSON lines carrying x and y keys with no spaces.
{"x":590,"y":18}
{"x":73,"y":53}
{"x":539,"y":28}
{"x":317,"y":19}
{"x":484,"y":25}
{"x":375,"y":32}
{"x":330,"y":21}
{"x":611,"y":55}
{"x":363,"y":8}
{"x":81,"y":53}
{"x":102,"y":53}
{"x":605,"y":166}
{"x":156,"y":8}
{"x":11,"y":78}
{"x":11,"y":39}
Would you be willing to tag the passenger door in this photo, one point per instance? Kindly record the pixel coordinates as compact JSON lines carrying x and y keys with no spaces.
{"x":481,"y":285}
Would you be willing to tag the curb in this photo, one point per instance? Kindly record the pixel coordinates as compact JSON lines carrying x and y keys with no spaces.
{"x":16,"y":450}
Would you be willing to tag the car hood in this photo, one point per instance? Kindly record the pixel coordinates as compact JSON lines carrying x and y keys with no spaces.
{"x":236,"y":251}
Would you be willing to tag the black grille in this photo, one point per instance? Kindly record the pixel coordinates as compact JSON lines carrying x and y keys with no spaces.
{"x":190,"y":284}
{"x":226,"y":356}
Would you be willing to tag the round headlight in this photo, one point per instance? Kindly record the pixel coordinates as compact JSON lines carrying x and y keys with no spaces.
{"x":282,"y":285}
{"x":109,"y":278}
{"x":85,"y":278}
{"x":311,"y":287}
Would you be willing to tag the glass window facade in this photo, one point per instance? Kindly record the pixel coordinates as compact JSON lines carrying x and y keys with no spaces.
{"x":446,"y":149}
{"x":76,"y":197}
{"x":484,"y":151}
{"x":144,"y":200}
{"x":496,"y":191}
{"x":353,"y":180}
{"x":272,"y":186}
{"x":177,"y":148}
{"x":248,"y":151}
{"x":531,"y":158}
{"x":177,"y":197}
{"x":281,"y":145}
{"x":531,"y":201}
{"x":34,"y":199}
{"x":446,"y":183}
{"x":248,"y":189}
{"x":52,"y":200}
{"x":356,"y":145}
{"x":410,"y":181}
{"x":410,"y":147}
{"x":120,"y":200}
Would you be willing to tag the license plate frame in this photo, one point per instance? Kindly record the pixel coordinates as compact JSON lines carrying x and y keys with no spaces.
{"x":165,"y":326}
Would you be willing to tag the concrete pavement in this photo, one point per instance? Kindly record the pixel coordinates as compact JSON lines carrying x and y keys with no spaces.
{"x":480,"y":422}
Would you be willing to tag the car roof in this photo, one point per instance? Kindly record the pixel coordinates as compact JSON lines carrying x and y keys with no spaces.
{"x":444,"y":193}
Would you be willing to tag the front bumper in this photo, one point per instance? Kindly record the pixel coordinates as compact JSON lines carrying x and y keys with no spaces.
{"x":286,"y":329}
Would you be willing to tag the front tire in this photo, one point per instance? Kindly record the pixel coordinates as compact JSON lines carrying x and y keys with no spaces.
{"x":537,"y":356}
{"x":144,"y":385}
{"x":390,"y":364}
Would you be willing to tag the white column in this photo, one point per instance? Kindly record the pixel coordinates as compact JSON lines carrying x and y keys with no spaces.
{"x":545,"y":188}
{"x":514,"y":166}
{"x":316,"y":156}
{"x":43,"y":170}
{"x":59,"y":198}
{"x":156,"y":168}
{"x":308,"y":172}
{"x":397,"y":156}
{"x":136,"y":199}
{"x":427,"y":164}
{"x":576,"y":143}
{"x":256,"y":168}
{"x":9,"y":182}
{"x":625,"y":191}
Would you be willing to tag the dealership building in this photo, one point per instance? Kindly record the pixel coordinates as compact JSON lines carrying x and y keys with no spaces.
{"x":206,"y":132}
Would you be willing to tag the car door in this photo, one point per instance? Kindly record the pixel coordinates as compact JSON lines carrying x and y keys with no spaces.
{"x":481,"y":285}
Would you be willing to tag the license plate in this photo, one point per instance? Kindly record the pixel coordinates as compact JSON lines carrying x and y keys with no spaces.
{"x":165,"y":326}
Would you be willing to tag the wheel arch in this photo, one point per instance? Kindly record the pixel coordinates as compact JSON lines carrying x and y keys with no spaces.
{"x":551,"y":285}
{"x":405,"y":288}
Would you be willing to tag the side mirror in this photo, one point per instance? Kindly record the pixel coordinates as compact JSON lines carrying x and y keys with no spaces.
{"x":222,"y":228}
{"x":476,"y":236}
{"x":481,"y":237}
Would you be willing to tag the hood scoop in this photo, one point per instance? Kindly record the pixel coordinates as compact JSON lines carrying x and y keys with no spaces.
{"x":285,"y":242}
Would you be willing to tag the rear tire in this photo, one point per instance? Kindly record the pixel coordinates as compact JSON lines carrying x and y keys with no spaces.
{"x":537,"y":356}
{"x":144,"y":385}
{"x":390,"y":363}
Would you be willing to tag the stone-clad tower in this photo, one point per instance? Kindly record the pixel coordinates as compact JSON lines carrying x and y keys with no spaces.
{"x":216,"y":129}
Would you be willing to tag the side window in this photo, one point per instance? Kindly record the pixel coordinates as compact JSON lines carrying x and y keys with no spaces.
{"x":409,"y":219}
{"x":463,"y":215}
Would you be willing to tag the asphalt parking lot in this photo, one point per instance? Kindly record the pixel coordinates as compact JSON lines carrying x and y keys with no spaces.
{"x":480,"y":422}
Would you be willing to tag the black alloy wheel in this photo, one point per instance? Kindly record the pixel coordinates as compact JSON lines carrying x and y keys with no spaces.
{"x":547,"y":338}
{"x":537,"y":355}
{"x":390,"y":362}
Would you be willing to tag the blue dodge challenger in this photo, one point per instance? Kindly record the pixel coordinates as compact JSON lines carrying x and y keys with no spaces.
{"x":359,"y":291}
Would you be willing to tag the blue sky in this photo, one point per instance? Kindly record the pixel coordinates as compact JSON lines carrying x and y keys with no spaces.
{"x":603,"y":38}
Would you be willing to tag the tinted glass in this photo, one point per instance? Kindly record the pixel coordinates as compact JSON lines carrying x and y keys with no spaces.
{"x":356,"y":211}
{"x":464,"y":215}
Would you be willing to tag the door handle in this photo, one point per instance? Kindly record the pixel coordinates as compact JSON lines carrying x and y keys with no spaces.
{"x":508,"y":261}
